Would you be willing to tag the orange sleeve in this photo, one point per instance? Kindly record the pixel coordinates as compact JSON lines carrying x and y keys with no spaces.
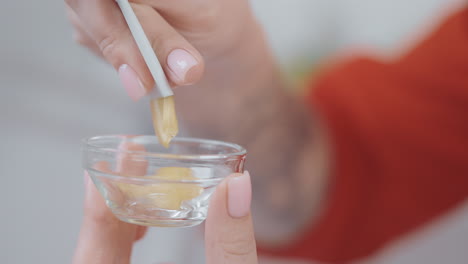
{"x":400,"y":138}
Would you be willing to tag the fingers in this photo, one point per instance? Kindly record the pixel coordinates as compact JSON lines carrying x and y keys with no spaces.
{"x":229,"y":234}
{"x":105,"y":25}
{"x":103,"y":238}
{"x":80,"y":35}
{"x":134,"y":167}
{"x":183,"y":63}
{"x":127,"y":164}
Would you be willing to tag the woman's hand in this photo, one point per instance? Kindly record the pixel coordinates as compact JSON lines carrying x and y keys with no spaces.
{"x":239,"y":98}
{"x":217,"y":45}
{"x":229,"y":235}
{"x":182,"y":33}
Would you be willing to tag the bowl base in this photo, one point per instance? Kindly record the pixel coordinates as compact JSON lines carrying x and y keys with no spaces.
{"x":162,"y":222}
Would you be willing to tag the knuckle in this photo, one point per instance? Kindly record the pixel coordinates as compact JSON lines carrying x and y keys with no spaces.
{"x":157,"y":42}
{"x":162,"y":41}
{"x":108,"y":46}
{"x":210,"y":17}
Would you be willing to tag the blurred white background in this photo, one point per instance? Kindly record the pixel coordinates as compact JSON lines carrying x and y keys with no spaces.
{"x":54,"y":93}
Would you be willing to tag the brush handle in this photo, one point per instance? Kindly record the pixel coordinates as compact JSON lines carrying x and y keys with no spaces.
{"x":162,"y":87}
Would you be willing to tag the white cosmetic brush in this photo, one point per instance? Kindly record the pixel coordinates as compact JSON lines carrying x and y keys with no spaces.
{"x":162,"y":97}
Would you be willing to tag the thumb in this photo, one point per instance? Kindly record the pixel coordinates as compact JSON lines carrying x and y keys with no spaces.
{"x":229,"y":234}
{"x":104,"y":238}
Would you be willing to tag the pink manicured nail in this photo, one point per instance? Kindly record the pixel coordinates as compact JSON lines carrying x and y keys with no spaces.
{"x":180,"y":62}
{"x":239,"y":195}
{"x":131,"y":82}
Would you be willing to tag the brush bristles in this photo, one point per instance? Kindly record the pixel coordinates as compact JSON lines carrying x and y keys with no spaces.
{"x":164,"y":119}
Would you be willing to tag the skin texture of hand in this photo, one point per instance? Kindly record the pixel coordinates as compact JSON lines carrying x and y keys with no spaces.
{"x":236,"y":94}
{"x":229,"y":234}
{"x":180,"y":32}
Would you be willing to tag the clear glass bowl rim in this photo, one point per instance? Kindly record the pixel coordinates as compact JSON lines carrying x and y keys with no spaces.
{"x":88,"y":146}
{"x":241,"y":151}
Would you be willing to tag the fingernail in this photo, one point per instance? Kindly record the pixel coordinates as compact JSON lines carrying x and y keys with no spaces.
{"x":180,"y":62}
{"x":131,"y":82}
{"x":239,"y":195}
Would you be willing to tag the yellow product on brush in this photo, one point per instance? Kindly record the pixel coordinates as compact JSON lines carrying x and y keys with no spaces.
{"x":164,"y":119}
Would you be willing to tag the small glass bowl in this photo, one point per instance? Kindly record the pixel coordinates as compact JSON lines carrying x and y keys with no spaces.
{"x":146,"y":184}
